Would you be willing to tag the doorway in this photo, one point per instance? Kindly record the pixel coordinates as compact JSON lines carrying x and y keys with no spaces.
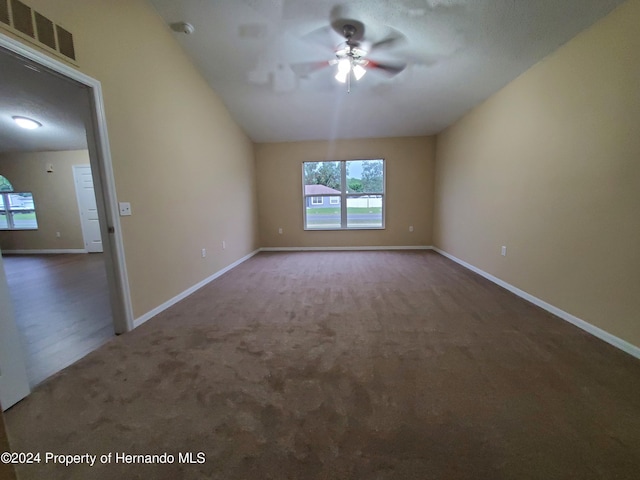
{"x":87,"y":109}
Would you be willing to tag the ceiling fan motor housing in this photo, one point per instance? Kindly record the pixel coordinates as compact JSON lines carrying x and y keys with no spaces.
{"x":349,"y":31}
{"x":349,"y":28}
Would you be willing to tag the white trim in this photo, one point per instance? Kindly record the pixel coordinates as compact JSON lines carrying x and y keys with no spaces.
{"x":14,"y":381}
{"x":48,"y":251}
{"x":160,"y":308}
{"x":107,"y":181}
{"x":586,"y":326}
{"x":316,"y":249}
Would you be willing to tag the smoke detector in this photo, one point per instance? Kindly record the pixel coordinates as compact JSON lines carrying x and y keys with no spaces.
{"x":183,"y":27}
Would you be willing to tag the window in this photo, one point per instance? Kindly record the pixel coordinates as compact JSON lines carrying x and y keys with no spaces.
{"x":355,"y":189}
{"x":17,"y":210}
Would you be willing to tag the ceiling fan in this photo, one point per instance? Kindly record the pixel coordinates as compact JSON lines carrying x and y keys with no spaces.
{"x":353,"y":56}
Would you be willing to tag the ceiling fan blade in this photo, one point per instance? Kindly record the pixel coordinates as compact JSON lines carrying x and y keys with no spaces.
{"x":391,"y":41}
{"x":323,"y":37}
{"x":387,"y":68}
{"x":307,"y":68}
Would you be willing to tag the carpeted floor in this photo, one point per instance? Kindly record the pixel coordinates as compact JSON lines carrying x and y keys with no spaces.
{"x":344,"y":365}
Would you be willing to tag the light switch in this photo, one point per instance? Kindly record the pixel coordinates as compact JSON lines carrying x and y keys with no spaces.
{"x":125,"y":209}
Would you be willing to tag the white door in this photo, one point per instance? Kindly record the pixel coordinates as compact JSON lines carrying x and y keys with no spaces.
{"x":88,"y":209}
{"x":14,"y":384}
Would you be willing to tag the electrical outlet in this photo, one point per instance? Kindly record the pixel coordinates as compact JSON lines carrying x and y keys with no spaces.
{"x":224,"y":244}
{"x":204,"y":252}
{"x":57,"y":234}
{"x":503,"y":251}
{"x":280,"y":231}
{"x":411,"y":228}
{"x":125,"y":209}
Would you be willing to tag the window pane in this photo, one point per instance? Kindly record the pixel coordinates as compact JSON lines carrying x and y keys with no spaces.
{"x":21,"y":201}
{"x":22,"y":210}
{"x":364,"y":211}
{"x":365,"y":176}
{"x":3,"y":220}
{"x":5,"y":185}
{"x":322,"y":178}
{"x":24,"y":220}
{"x":324,"y":215}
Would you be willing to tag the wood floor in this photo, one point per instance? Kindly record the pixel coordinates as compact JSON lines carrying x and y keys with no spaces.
{"x":62,"y":310}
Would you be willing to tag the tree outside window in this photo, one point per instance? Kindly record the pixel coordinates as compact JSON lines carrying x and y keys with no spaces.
{"x":346,"y":194}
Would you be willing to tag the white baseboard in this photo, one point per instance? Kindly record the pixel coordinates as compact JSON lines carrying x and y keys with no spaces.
{"x":53,"y":251}
{"x":320,"y":249}
{"x":160,"y":308}
{"x":586,"y":326}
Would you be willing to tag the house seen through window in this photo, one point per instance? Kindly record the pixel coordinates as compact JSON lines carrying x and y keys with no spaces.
{"x":17,"y":209}
{"x":345,"y":194}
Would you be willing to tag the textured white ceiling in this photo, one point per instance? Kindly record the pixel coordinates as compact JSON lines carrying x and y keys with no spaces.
{"x":459,"y":53}
{"x":53,"y":101}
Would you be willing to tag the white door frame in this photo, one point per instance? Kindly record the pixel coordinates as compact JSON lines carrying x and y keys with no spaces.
{"x":14,"y":382}
{"x":101,"y":167}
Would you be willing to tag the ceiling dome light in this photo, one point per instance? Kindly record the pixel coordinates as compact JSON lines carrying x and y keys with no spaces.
{"x":27,"y":123}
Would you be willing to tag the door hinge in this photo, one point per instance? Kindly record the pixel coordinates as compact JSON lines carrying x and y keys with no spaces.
{"x":111,"y":230}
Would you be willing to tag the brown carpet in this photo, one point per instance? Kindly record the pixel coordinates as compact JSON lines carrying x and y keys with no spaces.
{"x":345,"y":365}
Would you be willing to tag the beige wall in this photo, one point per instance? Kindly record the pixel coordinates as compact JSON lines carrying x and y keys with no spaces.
{"x":178,"y":157}
{"x":55,"y":198}
{"x":409,"y":191}
{"x":550,"y":167}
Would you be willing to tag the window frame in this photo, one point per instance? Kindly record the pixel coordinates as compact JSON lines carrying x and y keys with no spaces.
{"x":5,"y":206}
{"x":317,"y":197}
{"x":344,"y":196}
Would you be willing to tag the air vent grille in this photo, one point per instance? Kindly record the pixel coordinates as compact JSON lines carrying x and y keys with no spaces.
{"x":46,"y":33}
{"x":65,"y":42}
{"x":4,"y":12}
{"x":22,"y":19}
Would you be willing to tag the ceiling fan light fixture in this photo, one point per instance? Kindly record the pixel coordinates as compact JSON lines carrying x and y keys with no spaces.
{"x":359,"y":71}
{"x":344,"y":65}
{"x":341,"y":76}
{"x":27,"y":123}
{"x":344,"y":69}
